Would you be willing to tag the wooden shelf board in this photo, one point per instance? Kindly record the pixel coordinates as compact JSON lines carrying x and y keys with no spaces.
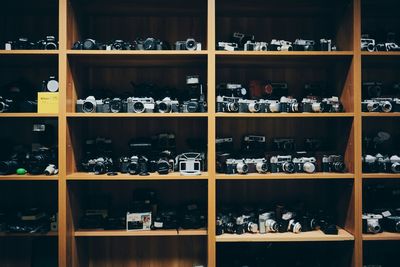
{"x":136,"y":52}
{"x":111,"y":233}
{"x":2,"y":234}
{"x":286,"y":237}
{"x":366,"y":53}
{"x":172,"y":176}
{"x":380,"y":114}
{"x":136,"y":115}
{"x":28,"y":177}
{"x":381,"y":175}
{"x":27,"y":115}
{"x":284,"y":53}
{"x":284,"y":115}
{"x":29,"y":52}
{"x":381,"y":236}
{"x":285,"y":176}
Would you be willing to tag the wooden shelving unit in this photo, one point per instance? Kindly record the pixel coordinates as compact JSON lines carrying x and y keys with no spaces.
{"x":209,"y":21}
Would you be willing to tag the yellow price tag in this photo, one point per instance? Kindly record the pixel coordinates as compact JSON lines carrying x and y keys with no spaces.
{"x":48,"y":102}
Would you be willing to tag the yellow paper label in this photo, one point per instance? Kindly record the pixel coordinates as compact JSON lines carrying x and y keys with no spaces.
{"x":48,"y":102}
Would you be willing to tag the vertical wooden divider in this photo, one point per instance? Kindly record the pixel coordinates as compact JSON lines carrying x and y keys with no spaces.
{"x":358,"y":243}
{"x":211,"y":69}
{"x":62,"y":145}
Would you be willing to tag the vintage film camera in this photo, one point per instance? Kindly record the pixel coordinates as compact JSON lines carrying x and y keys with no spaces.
{"x":391,"y":223}
{"x":267,"y":223}
{"x":191,"y":163}
{"x":249,"y":106}
{"x":135,"y":165}
{"x":197,"y":101}
{"x":120,"y":45}
{"x":241,"y":39}
{"x":228,"y":104}
{"x":227,"y":46}
{"x":151,"y":44}
{"x":282,"y":164}
{"x":246,"y":224}
{"x":330,"y":105}
{"x":287,"y":105}
{"x":333,"y":163}
{"x":167,"y":105}
{"x":236,"y":166}
{"x":381,"y":105}
{"x":140,"y":105}
{"x":255,"y":46}
{"x":380,"y":163}
{"x":372,"y":223}
{"x":368,"y":45}
{"x":89,"y":44}
{"x":280,"y":45}
{"x":48,"y":43}
{"x":304,"y":164}
{"x":190,"y":44}
{"x":326,"y":45}
{"x":100,"y":165}
{"x":50,"y":85}
{"x":303,"y":45}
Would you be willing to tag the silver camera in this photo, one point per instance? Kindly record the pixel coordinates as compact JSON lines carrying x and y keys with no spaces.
{"x":140,"y":105}
{"x":304,"y":164}
{"x":234,"y":166}
{"x":227,"y":46}
{"x":281,"y":45}
{"x":87,"y":105}
{"x":228,"y":104}
{"x":255,"y":46}
{"x":189,"y":44}
{"x":267,"y":223}
{"x":257,"y":165}
{"x":372,"y":223}
{"x":167,"y":105}
{"x":249,"y":106}
{"x":273,"y":106}
{"x":368,"y":45}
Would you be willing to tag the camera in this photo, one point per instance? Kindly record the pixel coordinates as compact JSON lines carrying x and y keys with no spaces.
{"x":303,"y":45}
{"x":227,"y":46}
{"x":51,"y":169}
{"x":372,"y":223}
{"x":121,"y":45}
{"x":255,"y":46}
{"x":116,"y":105}
{"x":166,"y":163}
{"x":140,"y":105}
{"x":284,"y":144}
{"x":189,"y":44}
{"x":280,"y":45}
{"x":245,"y":224}
{"x":228,"y":104}
{"x":88,"y":44}
{"x":282,"y":164}
{"x":6,"y":105}
{"x":368,"y":45}
{"x":21,"y":44}
{"x":331,"y":105}
{"x":100,"y":165}
{"x":236,"y":166}
{"x":267,"y":223}
{"x":49,"y":43}
{"x":50,"y":85}
{"x":380,"y":163}
{"x":191,"y":163}
{"x":326,"y":45}
{"x":193,"y":106}
{"x":167,"y":105}
{"x":129,"y":165}
{"x":87,"y":105}
{"x":257,"y":165}
{"x":248,"y":106}
{"x":333,"y":163}
{"x":381,"y":105}
{"x":40,"y":160}
{"x":232,"y":90}
{"x":273,"y":106}
{"x":304,"y":164}
{"x":287,"y":105}
{"x":150,"y":44}
{"x":391,"y":224}
{"x":241,"y":39}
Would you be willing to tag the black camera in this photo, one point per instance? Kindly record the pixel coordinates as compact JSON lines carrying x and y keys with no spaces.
{"x":121,"y":45}
{"x":166,"y":219}
{"x":89,"y":44}
{"x":100,"y":165}
{"x":21,"y":44}
{"x":303,"y":45}
{"x":190,"y":44}
{"x":49,"y":43}
{"x":129,"y":165}
{"x":282,"y":164}
{"x":232,"y":90}
{"x":333,"y":163}
{"x":150,"y":44}
{"x":42,"y":161}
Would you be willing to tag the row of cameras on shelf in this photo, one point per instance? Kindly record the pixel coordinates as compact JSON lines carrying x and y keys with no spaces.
{"x":30,"y":221}
{"x":371,"y":45}
{"x":279,"y":220}
{"x":376,"y":100}
{"x":144,"y":213}
{"x":379,"y":221}
{"x":18,"y":96}
{"x":243,"y":162}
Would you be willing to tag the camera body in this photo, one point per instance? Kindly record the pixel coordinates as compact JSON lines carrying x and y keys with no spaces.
{"x":245,"y":224}
{"x":190,"y":44}
{"x":372,"y":223}
{"x":259,"y":165}
{"x":288,"y":105}
{"x":227,"y":46}
{"x":89,"y":44}
{"x":236,"y":166}
{"x":282,"y":164}
{"x":150,"y":44}
{"x":129,"y":164}
{"x":249,"y":106}
{"x":39,"y":161}
{"x":304,"y":164}
{"x":49,"y":43}
{"x":381,"y":105}
{"x":368,"y":44}
{"x":193,"y":106}
{"x":326,"y":45}
{"x":167,"y":105}
{"x":140,"y":105}
{"x":121,"y":45}
{"x":303,"y":45}
{"x":99,"y":165}
{"x":191,"y":163}
{"x":228,"y":104}
{"x":88,"y":105}
{"x":333,"y":163}
{"x":332,"y":105}
{"x":255,"y":46}
{"x":267,"y":223}
{"x":280,"y":45}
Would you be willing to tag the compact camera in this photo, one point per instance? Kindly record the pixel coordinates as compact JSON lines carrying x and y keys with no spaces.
{"x":100,"y":165}
{"x":333,"y":163}
{"x":140,"y":105}
{"x":381,"y":105}
{"x":304,"y":164}
{"x":303,"y":45}
{"x":191,"y":163}
{"x":167,"y":105}
{"x":282,"y":164}
{"x":236,"y":166}
{"x":280,"y":45}
{"x":255,"y":46}
{"x":228,"y":104}
{"x":189,"y":44}
{"x":372,"y":223}
{"x":249,"y":106}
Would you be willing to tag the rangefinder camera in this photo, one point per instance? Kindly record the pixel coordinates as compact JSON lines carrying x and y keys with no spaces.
{"x":167,"y":105}
{"x":280,"y":45}
{"x":381,"y":105}
{"x":249,"y":106}
{"x":282,"y":164}
{"x":368,"y":45}
{"x":333,"y":163}
{"x":372,"y":223}
{"x":255,"y":46}
{"x":228,"y":104}
{"x":257,"y":165}
{"x":236,"y":166}
{"x":91,"y":105}
{"x":140,"y":105}
{"x":304,"y":164}
{"x":189,"y":44}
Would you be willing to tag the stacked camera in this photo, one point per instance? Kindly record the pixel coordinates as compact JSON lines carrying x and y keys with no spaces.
{"x":38,"y":159}
{"x":277,"y":220}
{"x":23,"y":43}
{"x":372,"y":45}
{"x":145,"y":156}
{"x":378,"y":97}
{"x":283,"y":157}
{"x":374,"y":160}
{"x":31,"y":221}
{"x":21,"y":95}
{"x":149,"y":43}
{"x":150,"y":98}
{"x":143,"y":213}
{"x":271,"y":97}
{"x":246,"y":42}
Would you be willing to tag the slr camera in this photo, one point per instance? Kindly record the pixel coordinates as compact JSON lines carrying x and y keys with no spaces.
{"x":150,"y":44}
{"x":282,"y":164}
{"x":236,"y":166}
{"x":49,"y":43}
{"x":249,"y":106}
{"x":380,"y":163}
{"x":129,"y":165}
{"x":100,"y":165}
{"x":191,"y":163}
{"x":89,"y":44}
{"x":372,"y":223}
{"x":140,"y":105}
{"x":166,"y":163}
{"x":246,"y":224}
{"x":273,"y":106}
{"x":330,"y":105}
{"x":255,"y":46}
{"x":167,"y":105}
{"x":267,"y":223}
{"x":189,"y":44}
{"x":193,"y":106}
{"x":333,"y":163}
{"x":280,"y":45}
{"x":89,"y":105}
{"x":304,"y":164}
{"x":303,"y":45}
{"x":381,"y":105}
{"x":121,"y":45}
{"x":21,"y":44}
{"x":228,"y":104}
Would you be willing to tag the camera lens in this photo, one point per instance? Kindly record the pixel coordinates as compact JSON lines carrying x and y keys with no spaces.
{"x":164,"y":107}
{"x":254,"y":107}
{"x":50,"y":46}
{"x":242,"y":168}
{"x":191,"y":44}
{"x":396,"y":167}
{"x":88,"y":107}
{"x":88,"y":44}
{"x":386,"y":106}
{"x":309,"y":167}
{"x":149,"y":44}
{"x":372,"y":106}
{"x":192,"y":106}
{"x":339,"y":166}
{"x":271,"y":226}
{"x":115,"y":106}
{"x":275,"y":107}
{"x":262,"y":167}
{"x":288,"y":167}
{"x":133,"y":168}
{"x":138,"y":107}
{"x":232,"y":107}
